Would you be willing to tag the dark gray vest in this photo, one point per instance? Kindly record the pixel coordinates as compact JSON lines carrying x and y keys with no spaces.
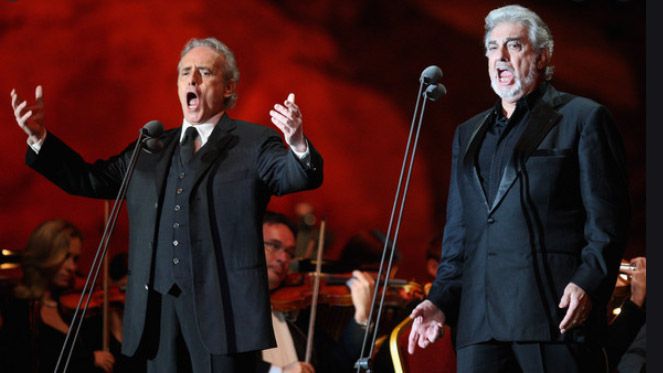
{"x":172,"y":264}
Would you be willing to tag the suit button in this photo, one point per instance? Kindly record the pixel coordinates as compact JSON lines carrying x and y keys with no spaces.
{"x":177,"y":208}
{"x":156,"y":205}
{"x":181,"y":176}
{"x":175,"y":243}
{"x":491,"y":220}
{"x":176,"y":225}
{"x":179,"y":190}
{"x":176,"y":260}
{"x":147,"y":287}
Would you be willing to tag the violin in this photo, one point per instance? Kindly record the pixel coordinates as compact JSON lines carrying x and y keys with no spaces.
{"x":69,"y":300}
{"x":296,"y":293}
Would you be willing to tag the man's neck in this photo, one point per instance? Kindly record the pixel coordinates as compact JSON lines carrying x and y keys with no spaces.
{"x":508,"y":108}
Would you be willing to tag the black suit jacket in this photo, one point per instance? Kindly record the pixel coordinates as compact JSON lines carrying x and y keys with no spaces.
{"x":243,"y":165}
{"x":560,"y":215}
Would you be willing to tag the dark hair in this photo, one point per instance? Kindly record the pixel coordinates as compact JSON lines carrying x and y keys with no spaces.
{"x":272,"y":217}
{"x":364,"y":251}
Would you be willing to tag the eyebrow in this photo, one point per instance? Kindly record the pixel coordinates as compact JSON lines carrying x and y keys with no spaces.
{"x":513,"y":38}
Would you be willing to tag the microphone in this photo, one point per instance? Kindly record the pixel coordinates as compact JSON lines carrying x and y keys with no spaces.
{"x":153,"y":128}
{"x":435,"y":91}
{"x":151,"y":132}
{"x":431,"y":75}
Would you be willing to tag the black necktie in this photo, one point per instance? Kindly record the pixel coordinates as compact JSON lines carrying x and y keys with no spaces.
{"x":188,"y":145}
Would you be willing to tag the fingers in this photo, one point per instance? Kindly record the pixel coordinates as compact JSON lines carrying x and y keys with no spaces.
{"x":564,"y":302}
{"x":639,"y":262}
{"x":414,"y":334}
{"x":39,"y":94}
{"x":291,"y":98}
{"x":569,"y":318}
{"x":417,"y":311}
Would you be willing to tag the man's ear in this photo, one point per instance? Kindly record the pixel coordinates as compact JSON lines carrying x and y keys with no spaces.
{"x":542,"y":60}
{"x":229,"y":89}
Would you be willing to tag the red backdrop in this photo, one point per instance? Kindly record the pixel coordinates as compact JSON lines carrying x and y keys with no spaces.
{"x":109,"y":67}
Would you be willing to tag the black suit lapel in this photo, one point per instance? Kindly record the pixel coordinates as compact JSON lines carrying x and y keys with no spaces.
{"x":470,"y":154}
{"x":541,"y":119}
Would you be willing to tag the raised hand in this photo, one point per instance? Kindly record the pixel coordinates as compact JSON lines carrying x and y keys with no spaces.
{"x":288,"y":119}
{"x":30,"y":117}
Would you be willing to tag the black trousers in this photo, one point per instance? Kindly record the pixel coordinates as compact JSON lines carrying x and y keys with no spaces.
{"x":172,"y":341}
{"x":535,"y":357}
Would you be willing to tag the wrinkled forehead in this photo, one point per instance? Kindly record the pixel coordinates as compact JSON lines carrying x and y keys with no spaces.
{"x":201,"y":56}
{"x":508,"y":30}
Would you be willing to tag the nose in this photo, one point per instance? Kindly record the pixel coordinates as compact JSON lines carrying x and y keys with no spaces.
{"x":70,"y":265}
{"x":194,"y":78}
{"x":502,"y":54}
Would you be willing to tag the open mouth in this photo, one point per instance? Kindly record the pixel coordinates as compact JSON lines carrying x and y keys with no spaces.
{"x":504,"y":76}
{"x":192,"y":99}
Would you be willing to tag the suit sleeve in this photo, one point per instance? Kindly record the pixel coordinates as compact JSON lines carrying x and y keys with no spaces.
{"x":283,"y":172}
{"x":446,"y":289}
{"x":67,"y":169}
{"x":604,"y":192}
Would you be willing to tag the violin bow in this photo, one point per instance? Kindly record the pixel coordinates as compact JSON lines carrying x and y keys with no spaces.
{"x":316,"y":292}
{"x":105,"y":324}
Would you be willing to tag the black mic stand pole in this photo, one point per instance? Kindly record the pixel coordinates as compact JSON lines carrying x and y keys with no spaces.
{"x":433,"y":92}
{"x":92,"y":276}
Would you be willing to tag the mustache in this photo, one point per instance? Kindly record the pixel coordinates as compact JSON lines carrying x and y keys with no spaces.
{"x":504,"y":66}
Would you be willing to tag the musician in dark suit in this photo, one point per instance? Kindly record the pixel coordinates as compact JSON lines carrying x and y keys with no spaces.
{"x":197,"y":294}
{"x":537,"y":218}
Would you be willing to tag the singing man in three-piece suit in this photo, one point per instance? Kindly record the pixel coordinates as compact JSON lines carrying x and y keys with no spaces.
{"x":537,"y":218}
{"x":197,"y":295}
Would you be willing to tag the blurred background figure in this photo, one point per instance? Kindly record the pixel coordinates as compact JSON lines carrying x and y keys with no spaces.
{"x":433,"y":255}
{"x":626,"y":342}
{"x":35,"y":320}
{"x":290,"y":313}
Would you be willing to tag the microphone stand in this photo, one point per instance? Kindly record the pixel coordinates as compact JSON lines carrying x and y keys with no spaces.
{"x":432,"y":92}
{"x":92,"y":276}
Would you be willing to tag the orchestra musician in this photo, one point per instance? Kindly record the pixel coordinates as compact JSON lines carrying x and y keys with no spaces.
{"x":35,"y":322}
{"x":291,"y":329}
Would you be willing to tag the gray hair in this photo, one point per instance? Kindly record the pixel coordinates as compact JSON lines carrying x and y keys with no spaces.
{"x":230,"y":70}
{"x":539,"y":33}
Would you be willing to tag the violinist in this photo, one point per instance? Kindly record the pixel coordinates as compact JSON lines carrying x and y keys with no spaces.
{"x":290,"y":329}
{"x":35,"y":323}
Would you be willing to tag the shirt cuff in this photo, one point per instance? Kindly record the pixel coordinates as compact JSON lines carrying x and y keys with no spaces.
{"x":301,"y":155}
{"x":275,"y":369}
{"x":35,"y":145}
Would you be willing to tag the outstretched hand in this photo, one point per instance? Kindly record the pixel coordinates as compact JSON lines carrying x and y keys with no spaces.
{"x":288,"y":119}
{"x":30,"y":117}
{"x":427,"y":326}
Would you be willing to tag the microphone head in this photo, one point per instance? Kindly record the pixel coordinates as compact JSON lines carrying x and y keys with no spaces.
{"x":152,"y":145}
{"x":432,"y":74}
{"x":435,"y":91}
{"x":153,"y":128}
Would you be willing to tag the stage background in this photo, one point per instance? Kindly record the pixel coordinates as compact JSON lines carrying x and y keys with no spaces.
{"x":109,"y":67}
